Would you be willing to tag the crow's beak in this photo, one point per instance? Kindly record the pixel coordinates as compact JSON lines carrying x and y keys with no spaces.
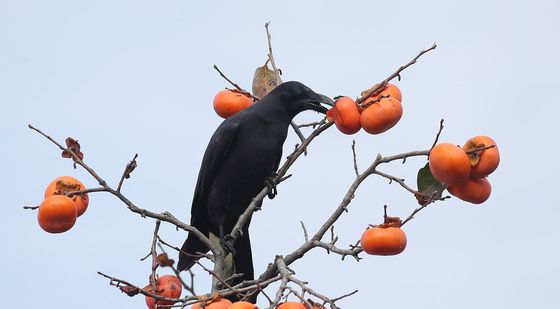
{"x":326,"y":100}
{"x":315,"y":103}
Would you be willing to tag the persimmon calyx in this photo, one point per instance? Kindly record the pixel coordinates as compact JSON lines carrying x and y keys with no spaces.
{"x":474,"y":151}
{"x":389,"y":222}
{"x":63,"y":188}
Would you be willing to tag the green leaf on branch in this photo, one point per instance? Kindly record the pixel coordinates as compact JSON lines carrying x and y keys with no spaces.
{"x":429,"y":188}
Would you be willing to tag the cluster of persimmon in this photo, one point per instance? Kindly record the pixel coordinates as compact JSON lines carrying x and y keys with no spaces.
{"x":169,"y":286}
{"x":60,"y":208}
{"x":464,"y":169}
{"x":377,"y":114}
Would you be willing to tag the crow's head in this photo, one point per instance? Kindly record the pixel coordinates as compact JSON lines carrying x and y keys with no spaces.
{"x":297,"y":98}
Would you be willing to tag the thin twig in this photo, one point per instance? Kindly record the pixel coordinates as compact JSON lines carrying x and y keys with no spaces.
{"x":400,"y":181}
{"x":313,"y":124}
{"x":306,"y":237}
{"x":153,"y":253}
{"x":438,"y":133}
{"x":277,"y":76}
{"x":77,"y":159}
{"x":354,"y":158}
{"x":431,"y":199}
{"x":271,"y":56}
{"x":374,"y":90}
{"x":127,"y":170}
{"x":345,"y":295}
{"x":236,"y":85}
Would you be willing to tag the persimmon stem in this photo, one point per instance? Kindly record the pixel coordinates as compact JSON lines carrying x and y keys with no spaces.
{"x":384,"y":213}
{"x":477,"y":149}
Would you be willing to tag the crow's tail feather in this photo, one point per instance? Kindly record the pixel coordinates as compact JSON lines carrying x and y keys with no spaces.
{"x":190,"y":248}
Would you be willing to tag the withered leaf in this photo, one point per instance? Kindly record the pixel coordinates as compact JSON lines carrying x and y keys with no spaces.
{"x":264,"y":80}
{"x":130,"y":167}
{"x":73,"y":146}
{"x":164,"y":261}
{"x":130,"y":290}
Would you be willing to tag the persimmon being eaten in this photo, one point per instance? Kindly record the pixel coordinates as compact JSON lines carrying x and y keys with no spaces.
{"x":67,"y":184}
{"x":390,"y":90}
{"x":381,"y":116}
{"x":484,"y":161}
{"x":167,"y":286}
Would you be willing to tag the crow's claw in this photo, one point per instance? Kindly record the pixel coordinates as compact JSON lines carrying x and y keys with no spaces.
{"x":271,"y":184}
{"x":227,"y":244}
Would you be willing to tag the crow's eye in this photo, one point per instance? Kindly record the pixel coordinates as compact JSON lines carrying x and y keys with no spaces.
{"x":299,"y":93}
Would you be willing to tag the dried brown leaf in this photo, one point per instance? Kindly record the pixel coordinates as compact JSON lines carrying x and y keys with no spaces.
{"x":73,"y":146}
{"x":164,"y":261}
{"x":130,"y":290}
{"x":130,"y":167}
{"x":265,"y":80}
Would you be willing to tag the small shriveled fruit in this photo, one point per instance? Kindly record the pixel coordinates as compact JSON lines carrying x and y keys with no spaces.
{"x":227,"y":103}
{"x":474,"y":190}
{"x":167,"y":286}
{"x":381,"y":116}
{"x":449,"y":164}
{"x":346,"y":115}
{"x":65,"y":184}
{"x":382,"y":240}
{"x":485,"y":161}
{"x":57,"y":214}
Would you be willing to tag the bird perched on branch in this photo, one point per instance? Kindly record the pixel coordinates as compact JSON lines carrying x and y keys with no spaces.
{"x":241,"y":158}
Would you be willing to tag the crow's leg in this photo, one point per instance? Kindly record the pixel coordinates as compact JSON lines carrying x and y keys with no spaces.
{"x":226,"y":241}
{"x":270,"y":182}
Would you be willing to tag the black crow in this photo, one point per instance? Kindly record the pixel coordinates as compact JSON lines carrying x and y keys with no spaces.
{"x":242,"y":155}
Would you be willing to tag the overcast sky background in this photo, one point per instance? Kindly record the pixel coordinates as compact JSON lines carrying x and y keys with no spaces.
{"x":126,"y":77}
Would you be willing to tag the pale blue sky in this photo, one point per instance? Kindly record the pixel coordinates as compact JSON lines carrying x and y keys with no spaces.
{"x":127,"y":77}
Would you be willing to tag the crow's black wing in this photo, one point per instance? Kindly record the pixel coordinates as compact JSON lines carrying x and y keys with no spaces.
{"x":215,"y":155}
